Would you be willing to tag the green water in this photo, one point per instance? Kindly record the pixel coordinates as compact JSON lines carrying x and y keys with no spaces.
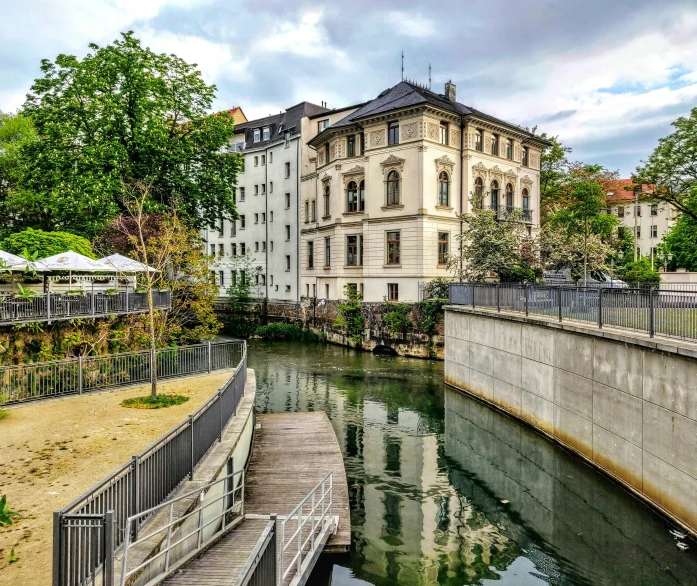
{"x":430,"y":471}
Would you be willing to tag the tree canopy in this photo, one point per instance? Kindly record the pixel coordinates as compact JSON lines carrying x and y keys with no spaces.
{"x":681,"y":239}
{"x":121,"y":115}
{"x":45,"y":243}
{"x":672,"y":167}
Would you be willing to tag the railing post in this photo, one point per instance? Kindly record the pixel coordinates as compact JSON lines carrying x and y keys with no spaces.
{"x":652,"y":313}
{"x":56,"y":581}
{"x":220,"y":412}
{"x":527,"y":299}
{"x":92,"y":299}
{"x":472,"y":285}
{"x":191,"y":428}
{"x":498,"y":297}
{"x":600,"y":308}
{"x":109,"y":549}
{"x":135,"y":494}
{"x":210,"y":360}
{"x":126,"y":298}
{"x":559,"y":299}
{"x":48,"y":303}
{"x":79,"y":374}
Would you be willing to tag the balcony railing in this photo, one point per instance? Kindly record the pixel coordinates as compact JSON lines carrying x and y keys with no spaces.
{"x":505,"y":213}
{"x":57,"y":306}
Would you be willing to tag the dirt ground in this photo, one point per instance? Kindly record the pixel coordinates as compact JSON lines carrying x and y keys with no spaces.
{"x":54,"y":451}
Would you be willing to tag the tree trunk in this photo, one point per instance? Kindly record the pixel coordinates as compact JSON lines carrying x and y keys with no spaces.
{"x":153,"y":348}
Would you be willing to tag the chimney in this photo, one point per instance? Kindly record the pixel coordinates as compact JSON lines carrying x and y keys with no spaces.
{"x":450,"y":91}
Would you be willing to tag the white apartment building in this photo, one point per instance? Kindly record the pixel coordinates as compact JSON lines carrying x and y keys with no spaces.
{"x":267,"y":200}
{"x":387,"y":182}
{"x":646,"y":218}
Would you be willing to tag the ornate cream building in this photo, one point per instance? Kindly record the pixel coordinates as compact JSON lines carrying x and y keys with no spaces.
{"x":383,"y":185}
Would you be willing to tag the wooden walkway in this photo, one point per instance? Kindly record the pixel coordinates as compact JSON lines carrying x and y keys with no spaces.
{"x":291,"y":453}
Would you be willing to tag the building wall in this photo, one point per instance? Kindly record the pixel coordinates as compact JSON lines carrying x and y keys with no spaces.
{"x":419,"y":158}
{"x":624,"y":404}
{"x":663,"y":220}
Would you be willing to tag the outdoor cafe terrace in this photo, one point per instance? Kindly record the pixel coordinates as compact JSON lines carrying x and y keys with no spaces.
{"x":69,"y":285}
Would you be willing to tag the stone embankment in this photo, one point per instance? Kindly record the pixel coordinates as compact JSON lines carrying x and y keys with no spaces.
{"x":623,"y":401}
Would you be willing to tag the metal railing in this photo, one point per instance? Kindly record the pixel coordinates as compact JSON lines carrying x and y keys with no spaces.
{"x":177,"y":535}
{"x":657,"y":312}
{"x":58,"y":306}
{"x":504,"y":212}
{"x":302,"y":549}
{"x":260,"y":569}
{"x":41,"y":380}
{"x":79,"y":550}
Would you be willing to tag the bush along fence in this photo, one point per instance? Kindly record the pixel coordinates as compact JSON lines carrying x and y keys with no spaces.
{"x":657,"y":312}
{"x":89,"y":531}
{"x":41,"y":380}
{"x":59,"y":306}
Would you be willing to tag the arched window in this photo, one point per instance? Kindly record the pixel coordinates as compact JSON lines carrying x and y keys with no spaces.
{"x":526,"y":199}
{"x":509,"y":195}
{"x":494,"y":195}
{"x":478,"y":190}
{"x":352,"y":197}
{"x":326,"y":201}
{"x":361,"y":196}
{"x":393,"y":188}
{"x":443,"y":189}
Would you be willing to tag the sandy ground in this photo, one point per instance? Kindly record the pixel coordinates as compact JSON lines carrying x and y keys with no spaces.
{"x":54,"y":451}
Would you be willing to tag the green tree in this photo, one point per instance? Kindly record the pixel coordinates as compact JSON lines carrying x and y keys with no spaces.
{"x":640,"y":272}
{"x":584,"y":221}
{"x":45,"y":244}
{"x":681,"y":239}
{"x":672,"y":167}
{"x":488,"y":245}
{"x":553,"y":176}
{"x":122,"y":115}
{"x":16,"y":130}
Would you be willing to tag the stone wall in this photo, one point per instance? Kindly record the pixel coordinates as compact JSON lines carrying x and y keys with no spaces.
{"x":624,"y":402}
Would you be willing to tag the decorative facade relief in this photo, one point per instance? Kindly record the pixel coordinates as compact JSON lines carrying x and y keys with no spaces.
{"x":377,"y":138}
{"x":356,"y":174}
{"x":392,"y":163}
{"x":409,"y":131}
{"x":526,"y":181}
{"x":432,"y":131}
{"x":326,"y":179}
{"x":480,"y":169}
{"x":320,"y":158}
{"x":455,"y":138}
{"x":444,"y":164}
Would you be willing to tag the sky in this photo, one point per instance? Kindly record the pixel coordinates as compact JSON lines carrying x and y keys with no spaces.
{"x":607,"y":76}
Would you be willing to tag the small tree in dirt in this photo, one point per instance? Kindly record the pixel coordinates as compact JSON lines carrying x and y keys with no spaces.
{"x":173,"y":249}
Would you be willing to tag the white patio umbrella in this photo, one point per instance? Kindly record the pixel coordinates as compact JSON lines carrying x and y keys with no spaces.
{"x":17,"y":263}
{"x":123,"y":264}
{"x":73,"y":261}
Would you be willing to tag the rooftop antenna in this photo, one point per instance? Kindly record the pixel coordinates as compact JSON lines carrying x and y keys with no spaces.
{"x":402,"y":65}
{"x":429,"y":76}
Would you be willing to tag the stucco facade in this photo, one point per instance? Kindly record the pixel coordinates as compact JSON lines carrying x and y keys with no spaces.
{"x":380,"y":210}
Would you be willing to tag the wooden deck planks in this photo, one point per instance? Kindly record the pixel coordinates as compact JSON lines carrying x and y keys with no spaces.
{"x":221,"y":563}
{"x":291,"y":454}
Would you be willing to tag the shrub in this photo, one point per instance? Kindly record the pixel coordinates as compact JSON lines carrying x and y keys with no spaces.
{"x":350,"y":317}
{"x":437,"y":288}
{"x":5,"y":513}
{"x":285,"y":332}
{"x":432,"y":312}
{"x":397,"y":318}
{"x":46,"y":243}
{"x":158,"y":402}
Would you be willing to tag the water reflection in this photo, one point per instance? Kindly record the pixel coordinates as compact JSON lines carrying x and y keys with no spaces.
{"x":444,"y":490}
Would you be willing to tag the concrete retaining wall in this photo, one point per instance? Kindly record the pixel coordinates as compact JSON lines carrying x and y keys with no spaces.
{"x":624,"y":402}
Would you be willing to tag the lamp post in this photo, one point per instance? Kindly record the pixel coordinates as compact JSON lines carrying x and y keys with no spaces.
{"x":637,"y":191}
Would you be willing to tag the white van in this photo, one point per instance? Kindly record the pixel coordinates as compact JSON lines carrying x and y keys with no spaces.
{"x":594,"y":279}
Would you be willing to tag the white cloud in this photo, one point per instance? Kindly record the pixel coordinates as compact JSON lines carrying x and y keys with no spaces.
{"x":306,"y":38}
{"x":410,"y":25}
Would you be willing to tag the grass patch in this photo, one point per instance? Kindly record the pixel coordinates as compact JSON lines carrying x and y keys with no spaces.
{"x":159,"y":402}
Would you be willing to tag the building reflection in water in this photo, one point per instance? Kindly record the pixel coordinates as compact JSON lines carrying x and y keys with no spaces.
{"x":429,"y":470}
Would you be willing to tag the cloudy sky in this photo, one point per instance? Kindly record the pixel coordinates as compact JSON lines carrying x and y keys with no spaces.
{"x":607,"y":76}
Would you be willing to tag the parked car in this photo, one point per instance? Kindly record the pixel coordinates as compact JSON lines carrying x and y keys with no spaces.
{"x":594,"y":279}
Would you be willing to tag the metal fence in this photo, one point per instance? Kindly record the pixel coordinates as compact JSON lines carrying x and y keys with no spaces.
{"x":81,"y":531}
{"x":657,"y":312}
{"x":40,"y":380}
{"x":58,"y":306}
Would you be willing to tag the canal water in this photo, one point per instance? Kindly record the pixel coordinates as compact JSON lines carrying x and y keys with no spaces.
{"x":445,"y":490}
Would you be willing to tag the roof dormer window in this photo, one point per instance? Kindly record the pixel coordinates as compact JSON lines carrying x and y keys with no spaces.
{"x":266,"y":131}
{"x":257,"y":135}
